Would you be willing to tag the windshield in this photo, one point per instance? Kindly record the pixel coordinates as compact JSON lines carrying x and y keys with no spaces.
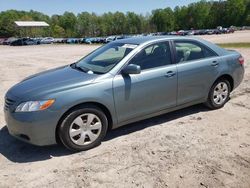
{"x":105,"y":58}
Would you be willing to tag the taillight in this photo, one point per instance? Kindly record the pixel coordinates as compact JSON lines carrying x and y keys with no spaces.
{"x":241,"y":60}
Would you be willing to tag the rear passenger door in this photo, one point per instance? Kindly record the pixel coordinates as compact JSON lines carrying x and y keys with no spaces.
{"x":197,"y":66}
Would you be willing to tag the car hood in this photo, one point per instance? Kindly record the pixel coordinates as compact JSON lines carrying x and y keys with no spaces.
{"x":55,"y":80}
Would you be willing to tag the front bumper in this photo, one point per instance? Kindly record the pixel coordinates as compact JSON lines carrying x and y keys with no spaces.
{"x":37,"y":128}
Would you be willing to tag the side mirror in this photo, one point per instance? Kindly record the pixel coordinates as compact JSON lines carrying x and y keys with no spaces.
{"x":131,"y":69}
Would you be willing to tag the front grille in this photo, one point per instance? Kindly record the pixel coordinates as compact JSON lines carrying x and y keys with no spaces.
{"x":8,"y":103}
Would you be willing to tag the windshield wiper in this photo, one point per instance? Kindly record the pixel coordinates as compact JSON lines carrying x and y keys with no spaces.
{"x":83,"y":69}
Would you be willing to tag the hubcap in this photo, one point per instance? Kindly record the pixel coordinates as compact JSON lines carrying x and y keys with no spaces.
{"x":220,"y":93}
{"x":85,"y":129}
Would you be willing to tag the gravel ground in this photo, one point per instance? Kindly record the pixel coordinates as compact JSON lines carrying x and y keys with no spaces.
{"x":239,"y":36}
{"x":193,"y":147}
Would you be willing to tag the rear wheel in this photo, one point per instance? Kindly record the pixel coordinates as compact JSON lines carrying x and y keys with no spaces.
{"x":83,"y":128}
{"x":219,"y":94}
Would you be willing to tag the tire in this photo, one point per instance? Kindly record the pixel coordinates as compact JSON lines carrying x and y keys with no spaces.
{"x":83,"y":128}
{"x":221,"y":88}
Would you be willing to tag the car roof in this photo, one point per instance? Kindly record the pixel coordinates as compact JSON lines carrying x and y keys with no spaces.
{"x":144,"y":39}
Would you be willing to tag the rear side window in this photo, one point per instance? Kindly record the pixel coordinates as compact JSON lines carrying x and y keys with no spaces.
{"x":190,"y":51}
{"x":153,"y":56}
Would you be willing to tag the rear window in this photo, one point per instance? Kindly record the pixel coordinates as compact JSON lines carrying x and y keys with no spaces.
{"x":189,"y":51}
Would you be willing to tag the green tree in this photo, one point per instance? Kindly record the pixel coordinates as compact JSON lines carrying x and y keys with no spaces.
{"x":246,"y":16}
{"x":163,"y":19}
{"x":68,"y":22}
{"x":119,"y":22}
{"x":234,"y":12}
{"x":58,"y":31}
{"x":133,"y":23}
{"x":83,"y":24}
{"x":217,"y":14}
{"x":198,"y":14}
{"x":181,"y":17}
{"x":7,"y":26}
{"x":107,"y":24}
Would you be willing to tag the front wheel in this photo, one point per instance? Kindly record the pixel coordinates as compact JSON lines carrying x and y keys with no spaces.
{"x":219,"y":94}
{"x":83,"y":128}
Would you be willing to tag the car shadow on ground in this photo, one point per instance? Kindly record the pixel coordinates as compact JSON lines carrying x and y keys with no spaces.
{"x":20,"y":152}
{"x":133,"y":127}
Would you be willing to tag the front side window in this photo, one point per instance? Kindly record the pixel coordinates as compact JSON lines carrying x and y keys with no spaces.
{"x":189,"y":51}
{"x":153,"y":56}
{"x":105,"y":58}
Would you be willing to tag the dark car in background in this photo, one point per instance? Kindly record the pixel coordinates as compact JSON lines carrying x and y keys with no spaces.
{"x":24,"y":42}
{"x":73,"y":41}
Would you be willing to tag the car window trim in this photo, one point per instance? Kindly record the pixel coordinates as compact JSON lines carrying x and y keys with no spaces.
{"x":160,"y":67}
{"x":201,"y":59}
{"x":194,"y":42}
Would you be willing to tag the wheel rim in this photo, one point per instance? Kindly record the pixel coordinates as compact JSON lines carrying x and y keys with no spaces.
{"x":220,"y":94}
{"x":85,"y":129}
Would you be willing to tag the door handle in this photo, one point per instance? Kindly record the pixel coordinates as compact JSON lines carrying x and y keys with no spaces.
{"x":170,"y":74}
{"x":215,"y":64}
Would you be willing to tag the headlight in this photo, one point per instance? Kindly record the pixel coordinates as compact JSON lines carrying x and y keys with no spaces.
{"x":32,"y":106}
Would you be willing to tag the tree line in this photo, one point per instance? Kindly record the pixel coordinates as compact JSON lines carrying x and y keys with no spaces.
{"x":199,"y":15}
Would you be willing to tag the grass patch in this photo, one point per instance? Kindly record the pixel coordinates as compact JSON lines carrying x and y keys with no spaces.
{"x":234,"y":45}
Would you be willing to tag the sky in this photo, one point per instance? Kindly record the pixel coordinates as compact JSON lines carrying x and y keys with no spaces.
{"x":51,"y":7}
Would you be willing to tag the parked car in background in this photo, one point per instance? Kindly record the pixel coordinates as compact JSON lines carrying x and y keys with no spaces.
{"x":225,"y":31}
{"x":47,"y":40}
{"x":122,"y":37}
{"x":2,"y":40}
{"x":202,"y":32}
{"x":196,"y":32}
{"x":87,"y":41}
{"x":209,"y":32}
{"x":119,"y":37}
{"x":101,"y":40}
{"x":173,"y":33}
{"x":24,"y":42}
{"x":219,"y":27}
{"x":231,"y":30}
{"x":122,"y":82}
{"x":59,"y":40}
{"x":217,"y":32}
{"x":191,"y":32}
{"x":181,"y":32}
{"x":73,"y":41}
{"x":110,"y":39}
{"x":9,"y":40}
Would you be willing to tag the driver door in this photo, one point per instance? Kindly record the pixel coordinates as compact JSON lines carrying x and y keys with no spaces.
{"x":153,"y":90}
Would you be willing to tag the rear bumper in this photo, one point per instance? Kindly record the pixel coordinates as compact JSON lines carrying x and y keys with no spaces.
{"x":238,"y":75}
{"x":37,"y":128}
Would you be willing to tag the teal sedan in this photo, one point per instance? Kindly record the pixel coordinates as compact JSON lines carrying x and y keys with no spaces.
{"x":121,"y":82}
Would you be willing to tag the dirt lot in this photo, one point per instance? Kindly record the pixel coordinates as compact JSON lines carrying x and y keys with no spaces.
{"x":192,"y":147}
{"x":239,"y":36}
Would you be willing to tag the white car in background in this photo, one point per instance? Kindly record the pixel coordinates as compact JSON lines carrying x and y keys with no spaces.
{"x":47,"y":40}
